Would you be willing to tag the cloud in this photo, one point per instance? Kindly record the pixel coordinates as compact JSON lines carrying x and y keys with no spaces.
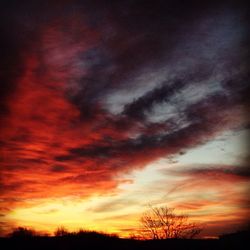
{"x":58,"y":136}
{"x":214,"y":194}
{"x":227,"y":186}
{"x":58,"y":168}
{"x":114,"y":205}
{"x":234,"y":171}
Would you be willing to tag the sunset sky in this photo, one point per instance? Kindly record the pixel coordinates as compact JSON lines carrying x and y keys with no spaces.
{"x":108,"y":106}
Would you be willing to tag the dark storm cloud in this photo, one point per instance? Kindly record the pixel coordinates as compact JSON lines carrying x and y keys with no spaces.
{"x":240,"y":171}
{"x":10,"y":62}
{"x":20,"y":25}
{"x":10,"y":187}
{"x":165,"y":92}
{"x":204,"y":119}
{"x":133,"y":34}
{"x":157,"y":95}
{"x":58,"y":168}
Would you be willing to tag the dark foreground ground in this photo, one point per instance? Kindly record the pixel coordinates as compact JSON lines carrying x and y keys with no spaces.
{"x":73,"y":243}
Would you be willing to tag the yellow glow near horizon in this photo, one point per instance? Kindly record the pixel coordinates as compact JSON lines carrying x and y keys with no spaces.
{"x":204,"y":198}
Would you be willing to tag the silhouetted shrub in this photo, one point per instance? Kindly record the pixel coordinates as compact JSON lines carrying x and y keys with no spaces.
{"x":93,"y":234}
{"x":22,"y":232}
{"x":61,"y":231}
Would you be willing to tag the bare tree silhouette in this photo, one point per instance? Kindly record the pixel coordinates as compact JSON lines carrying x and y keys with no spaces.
{"x":164,"y":223}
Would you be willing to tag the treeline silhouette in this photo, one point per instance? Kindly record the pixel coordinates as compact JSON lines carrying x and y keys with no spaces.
{"x":26,"y":233}
{"x":25,"y":238}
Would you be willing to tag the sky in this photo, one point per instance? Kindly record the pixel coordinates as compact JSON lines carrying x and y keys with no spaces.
{"x":107,"y":107}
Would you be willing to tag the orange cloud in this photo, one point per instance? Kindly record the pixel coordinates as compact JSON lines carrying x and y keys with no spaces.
{"x":214,"y":195}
